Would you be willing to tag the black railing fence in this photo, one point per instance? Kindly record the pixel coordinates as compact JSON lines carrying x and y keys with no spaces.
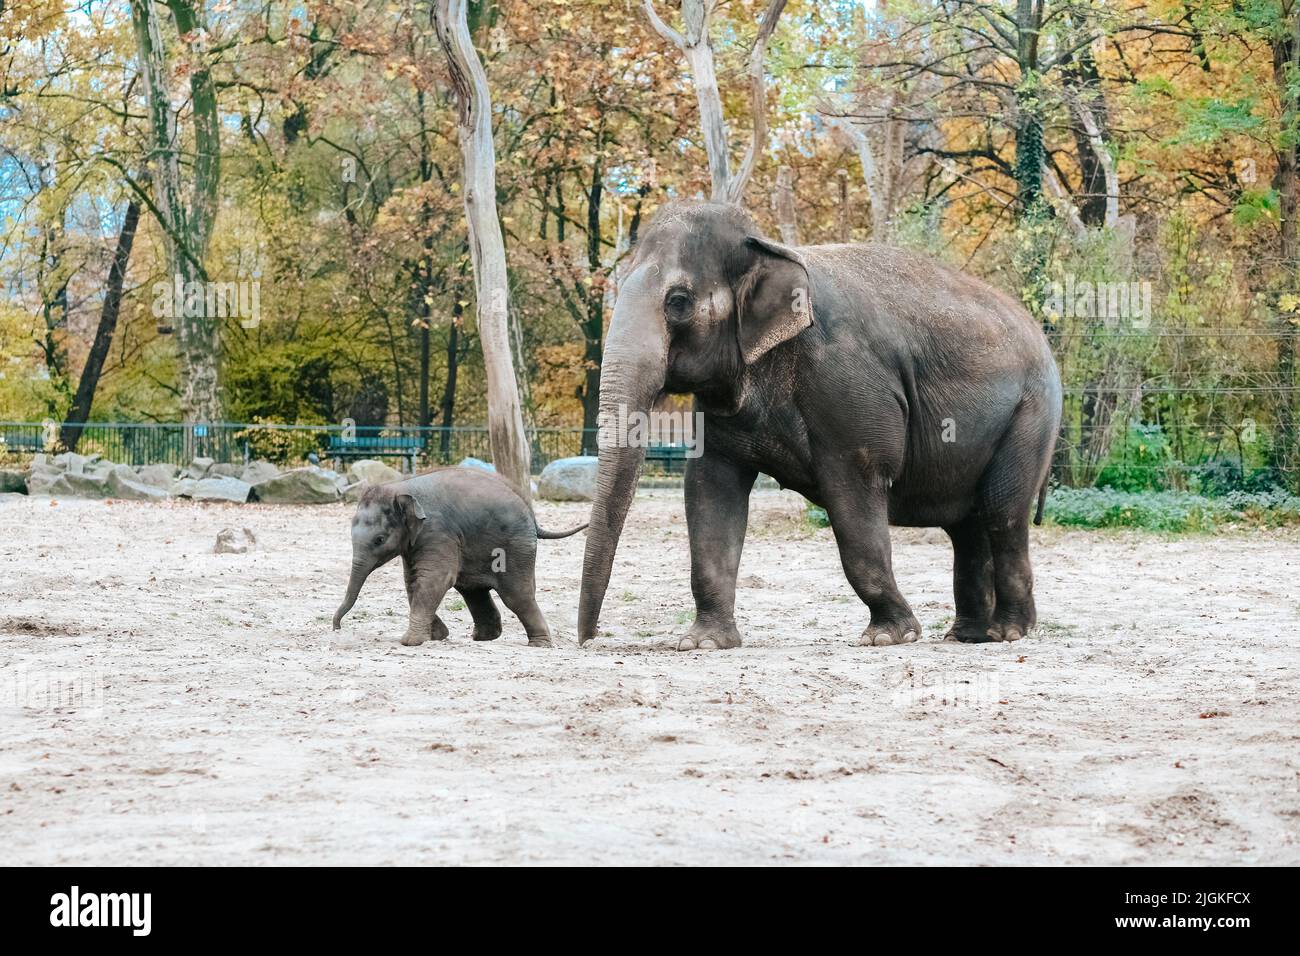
{"x":178,"y":444}
{"x":1136,"y":455}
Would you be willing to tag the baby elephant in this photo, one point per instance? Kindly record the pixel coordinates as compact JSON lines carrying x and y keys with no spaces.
{"x":459,"y":527}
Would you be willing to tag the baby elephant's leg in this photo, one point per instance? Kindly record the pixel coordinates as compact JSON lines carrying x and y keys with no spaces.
{"x":438,"y":631}
{"x":517,"y":594}
{"x":487,"y":619}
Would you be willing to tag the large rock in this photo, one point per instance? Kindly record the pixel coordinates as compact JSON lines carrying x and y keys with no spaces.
{"x":13,"y":482}
{"x":373,"y":472}
{"x":220,"y":488}
{"x":87,"y":485}
{"x":199,"y":468}
{"x":301,"y":486}
{"x":225,"y":469}
{"x":258,"y":470}
{"x":71,"y":462}
{"x":123,"y":482}
{"x":160,"y":476}
{"x":478,"y":463}
{"x":44,"y":481}
{"x":569,"y":479}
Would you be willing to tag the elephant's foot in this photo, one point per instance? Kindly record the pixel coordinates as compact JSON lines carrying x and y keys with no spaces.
{"x":710,"y":637}
{"x":439,"y":632}
{"x":486,"y":633}
{"x":414,"y":639}
{"x":1012,"y":624}
{"x":540,"y":642}
{"x":969,"y":631}
{"x":885,"y":633}
{"x":1006,"y":631}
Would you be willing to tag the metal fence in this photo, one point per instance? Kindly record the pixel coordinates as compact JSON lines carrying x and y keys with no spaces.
{"x":1132,"y":451}
{"x":179,"y":444}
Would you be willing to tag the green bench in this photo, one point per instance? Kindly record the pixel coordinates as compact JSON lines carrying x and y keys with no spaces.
{"x":672,"y":458}
{"x":20,"y":442}
{"x":341,"y":447}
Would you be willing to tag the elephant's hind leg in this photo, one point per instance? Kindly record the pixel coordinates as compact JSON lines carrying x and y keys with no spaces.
{"x":487,"y":619}
{"x":1007,"y":491}
{"x":517,"y":594}
{"x":972,"y":581}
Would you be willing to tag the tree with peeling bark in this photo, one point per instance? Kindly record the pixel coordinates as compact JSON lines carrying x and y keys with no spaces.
{"x":510,"y":446}
{"x":187,"y":228}
{"x":696,"y":46}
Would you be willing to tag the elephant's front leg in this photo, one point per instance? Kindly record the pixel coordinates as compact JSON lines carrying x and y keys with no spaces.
{"x":427,"y":586}
{"x":717,"y":513}
{"x":438,"y":631}
{"x":859,"y":516}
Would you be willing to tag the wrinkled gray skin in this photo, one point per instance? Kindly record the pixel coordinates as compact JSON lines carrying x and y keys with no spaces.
{"x":459,"y":527}
{"x":880,"y":385}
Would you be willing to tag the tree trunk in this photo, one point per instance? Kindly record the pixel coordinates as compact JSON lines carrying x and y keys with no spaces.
{"x":1098,"y":199}
{"x":845,"y":222}
{"x":449,"y":389}
{"x":1286,"y":63}
{"x":186,"y":234}
{"x":1029,"y":120}
{"x":510,"y":452}
{"x":783,"y":205}
{"x":697,"y":48}
{"x":757,"y":102}
{"x":85,"y":397}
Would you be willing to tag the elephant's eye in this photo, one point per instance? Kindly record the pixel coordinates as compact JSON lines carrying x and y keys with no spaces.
{"x":379,"y":540}
{"x":677,"y":302}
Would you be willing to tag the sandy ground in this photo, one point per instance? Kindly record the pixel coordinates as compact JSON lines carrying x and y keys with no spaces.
{"x":161,"y":704}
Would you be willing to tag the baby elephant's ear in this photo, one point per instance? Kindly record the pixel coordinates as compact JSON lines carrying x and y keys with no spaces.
{"x":412,"y":511}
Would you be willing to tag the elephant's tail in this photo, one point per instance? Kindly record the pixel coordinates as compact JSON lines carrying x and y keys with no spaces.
{"x":1042,"y":498}
{"x":543,"y":533}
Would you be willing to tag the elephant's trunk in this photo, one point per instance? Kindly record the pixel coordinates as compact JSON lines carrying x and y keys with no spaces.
{"x":360,"y":571}
{"x":631,"y":379}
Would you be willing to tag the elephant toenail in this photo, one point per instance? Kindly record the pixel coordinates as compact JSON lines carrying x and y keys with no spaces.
{"x":708,"y":644}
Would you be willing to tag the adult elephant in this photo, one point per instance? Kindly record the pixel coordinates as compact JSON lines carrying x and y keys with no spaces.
{"x":878,"y":384}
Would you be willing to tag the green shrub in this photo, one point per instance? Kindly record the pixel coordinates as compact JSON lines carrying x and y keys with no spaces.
{"x":279,"y":446}
{"x":1169,"y":510}
{"x":1139,"y":462}
{"x":1154,"y":510}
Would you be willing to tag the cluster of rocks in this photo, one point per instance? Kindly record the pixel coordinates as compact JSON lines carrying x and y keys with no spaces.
{"x":90,"y":476}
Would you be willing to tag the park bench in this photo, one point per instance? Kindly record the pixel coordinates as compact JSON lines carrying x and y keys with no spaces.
{"x":672,"y":458}
{"x":22,"y":442}
{"x":375,"y":446}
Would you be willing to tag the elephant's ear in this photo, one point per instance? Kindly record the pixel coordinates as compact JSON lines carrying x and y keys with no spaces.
{"x":411,"y":510}
{"x":773,"y":298}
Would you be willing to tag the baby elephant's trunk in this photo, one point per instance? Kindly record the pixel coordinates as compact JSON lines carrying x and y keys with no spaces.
{"x":543,"y":533}
{"x":358,"y":577}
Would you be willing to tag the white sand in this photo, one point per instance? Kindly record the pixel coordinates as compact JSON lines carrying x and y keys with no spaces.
{"x":209,"y":715}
